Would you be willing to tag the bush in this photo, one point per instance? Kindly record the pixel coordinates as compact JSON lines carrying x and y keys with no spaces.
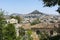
{"x":35,"y":22}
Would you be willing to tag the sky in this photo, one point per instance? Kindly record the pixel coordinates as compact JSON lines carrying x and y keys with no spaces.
{"x":26,"y":6}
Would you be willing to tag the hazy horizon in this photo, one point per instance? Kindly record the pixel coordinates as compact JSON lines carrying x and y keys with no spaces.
{"x":26,"y":6}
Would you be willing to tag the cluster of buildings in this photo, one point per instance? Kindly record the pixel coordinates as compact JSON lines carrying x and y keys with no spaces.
{"x":47,"y":23}
{"x":41,"y":16}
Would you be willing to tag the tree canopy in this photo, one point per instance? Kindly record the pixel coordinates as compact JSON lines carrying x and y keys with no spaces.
{"x":19,"y":18}
{"x":50,"y":3}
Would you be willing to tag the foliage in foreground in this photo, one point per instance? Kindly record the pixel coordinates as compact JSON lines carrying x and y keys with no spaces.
{"x":2,"y":24}
{"x":9,"y":32}
{"x":50,"y":3}
{"x":25,"y":34}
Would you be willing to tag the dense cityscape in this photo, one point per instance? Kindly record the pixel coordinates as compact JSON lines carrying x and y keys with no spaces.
{"x":30,"y":26}
{"x":29,"y":19}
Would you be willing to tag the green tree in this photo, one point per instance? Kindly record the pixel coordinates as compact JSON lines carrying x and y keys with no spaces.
{"x":21,"y":31}
{"x":28,"y":33}
{"x":21,"y":34}
{"x":7,"y":31}
{"x":43,"y":36}
{"x":24,"y":34}
{"x":37,"y":21}
{"x":2,"y":24}
{"x":50,"y":3}
{"x":10,"y":32}
{"x":17,"y":17}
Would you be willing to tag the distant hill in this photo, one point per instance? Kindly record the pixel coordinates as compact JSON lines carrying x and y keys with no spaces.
{"x":33,"y":14}
{"x":36,"y":12}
